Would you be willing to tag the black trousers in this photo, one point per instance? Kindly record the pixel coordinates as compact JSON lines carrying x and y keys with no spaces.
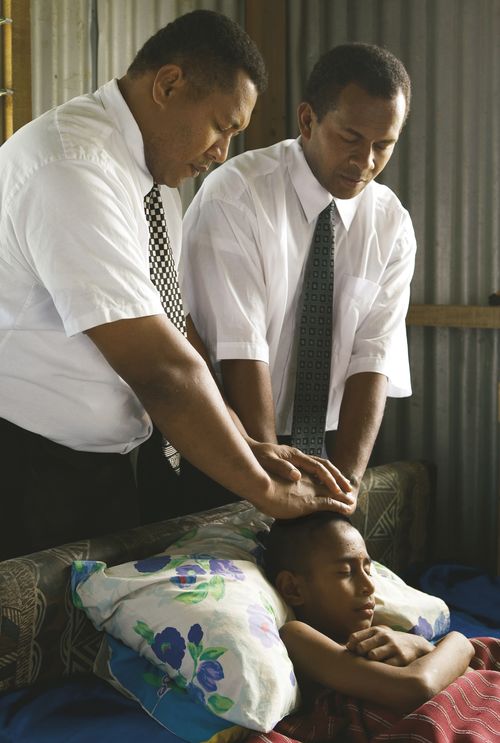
{"x":51,"y":494}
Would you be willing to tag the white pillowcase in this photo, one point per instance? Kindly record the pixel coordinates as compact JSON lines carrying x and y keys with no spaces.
{"x":210,"y":623}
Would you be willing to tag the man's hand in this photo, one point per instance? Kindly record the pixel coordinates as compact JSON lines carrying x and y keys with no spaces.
{"x":388,"y":646}
{"x":288,"y":462}
{"x":287,"y":499}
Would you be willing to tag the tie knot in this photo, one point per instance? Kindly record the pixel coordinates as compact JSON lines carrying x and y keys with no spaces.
{"x":329,"y":212}
{"x":153,"y":195}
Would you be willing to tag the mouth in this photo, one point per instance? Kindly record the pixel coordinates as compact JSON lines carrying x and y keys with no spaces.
{"x":366,"y":611}
{"x":197,"y":169}
{"x":353,"y":180}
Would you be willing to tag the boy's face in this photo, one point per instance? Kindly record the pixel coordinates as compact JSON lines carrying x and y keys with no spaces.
{"x":335,"y":586}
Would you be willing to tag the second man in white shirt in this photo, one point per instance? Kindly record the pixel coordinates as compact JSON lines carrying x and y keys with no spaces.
{"x":246,"y":239}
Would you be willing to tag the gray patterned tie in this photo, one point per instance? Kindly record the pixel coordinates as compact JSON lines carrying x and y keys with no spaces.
{"x":315,"y":339}
{"x":163,"y":274}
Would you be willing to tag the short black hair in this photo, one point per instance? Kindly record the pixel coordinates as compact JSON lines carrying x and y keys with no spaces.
{"x":290,"y":541}
{"x":372,"y":67}
{"x":208,"y":46}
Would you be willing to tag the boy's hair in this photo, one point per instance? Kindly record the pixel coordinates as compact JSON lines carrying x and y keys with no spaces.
{"x":208,"y":46}
{"x":372,"y":67}
{"x":290,"y":542}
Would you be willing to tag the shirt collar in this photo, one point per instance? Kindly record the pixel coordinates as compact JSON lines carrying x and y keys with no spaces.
{"x":116,"y":107}
{"x":313,"y":197}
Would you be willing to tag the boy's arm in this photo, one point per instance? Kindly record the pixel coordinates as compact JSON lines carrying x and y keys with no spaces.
{"x":386,"y":645}
{"x":403,"y":689}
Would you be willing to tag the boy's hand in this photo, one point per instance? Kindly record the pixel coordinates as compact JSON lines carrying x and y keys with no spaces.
{"x":389,"y":646}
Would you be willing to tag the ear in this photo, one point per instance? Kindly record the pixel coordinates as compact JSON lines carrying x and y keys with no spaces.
{"x":306,"y":118}
{"x":168,"y":79}
{"x":289,"y":586}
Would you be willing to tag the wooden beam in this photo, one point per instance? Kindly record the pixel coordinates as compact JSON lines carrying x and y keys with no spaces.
{"x":16,"y":40}
{"x":453,"y":316}
{"x":21,"y":62}
{"x":265,"y":22}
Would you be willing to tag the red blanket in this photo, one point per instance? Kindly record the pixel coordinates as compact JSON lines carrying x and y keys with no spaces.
{"x":467,"y":711}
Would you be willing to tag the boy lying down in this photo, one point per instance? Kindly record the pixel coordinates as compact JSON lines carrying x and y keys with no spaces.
{"x":320,"y":566}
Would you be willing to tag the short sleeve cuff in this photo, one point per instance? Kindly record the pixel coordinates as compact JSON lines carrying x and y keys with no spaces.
{"x":397,"y":373}
{"x":241,"y":350}
{"x":104,"y":315}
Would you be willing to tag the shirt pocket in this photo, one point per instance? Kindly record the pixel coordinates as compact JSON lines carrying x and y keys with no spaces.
{"x":353,"y":300}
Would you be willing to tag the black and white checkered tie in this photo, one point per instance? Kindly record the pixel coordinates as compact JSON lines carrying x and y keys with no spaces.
{"x":315,"y":339}
{"x":163,"y":274}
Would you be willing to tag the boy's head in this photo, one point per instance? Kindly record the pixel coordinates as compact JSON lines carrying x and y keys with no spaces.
{"x":320,"y":566}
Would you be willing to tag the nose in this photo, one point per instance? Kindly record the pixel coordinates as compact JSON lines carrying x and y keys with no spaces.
{"x":218,"y":151}
{"x":368,"y":586}
{"x":363,"y":157}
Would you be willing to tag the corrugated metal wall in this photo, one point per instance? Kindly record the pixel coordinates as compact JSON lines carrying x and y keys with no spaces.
{"x":445,"y":170}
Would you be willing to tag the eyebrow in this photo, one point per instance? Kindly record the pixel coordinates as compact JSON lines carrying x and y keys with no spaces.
{"x":352,"y":559}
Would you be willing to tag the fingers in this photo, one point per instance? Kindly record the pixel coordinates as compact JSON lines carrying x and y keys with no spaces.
{"x":375,"y":643}
{"x":281,"y":468}
{"x":321,"y":469}
{"x":272,"y":460}
{"x":322,"y":503}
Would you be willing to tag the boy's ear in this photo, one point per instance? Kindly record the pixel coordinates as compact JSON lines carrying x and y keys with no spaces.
{"x":289,"y":586}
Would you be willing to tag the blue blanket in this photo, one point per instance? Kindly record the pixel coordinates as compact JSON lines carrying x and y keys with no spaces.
{"x":79,"y":710}
{"x":472,"y":596}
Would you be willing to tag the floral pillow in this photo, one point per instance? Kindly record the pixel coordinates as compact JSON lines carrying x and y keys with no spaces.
{"x":210,"y":623}
{"x":404,"y":608}
{"x":160,"y":697}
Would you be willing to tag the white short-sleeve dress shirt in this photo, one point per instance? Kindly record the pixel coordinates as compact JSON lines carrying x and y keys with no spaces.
{"x":73,"y":255}
{"x":246,"y":237}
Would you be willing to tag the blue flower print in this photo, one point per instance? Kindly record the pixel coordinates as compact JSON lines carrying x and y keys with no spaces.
{"x":190,"y":569}
{"x":169,"y":646}
{"x":441,"y":625}
{"x":196,"y":693}
{"x":187,"y":575}
{"x":422,"y":628}
{"x":262,"y":625}
{"x":195,"y":634}
{"x":183,"y":580}
{"x":152,"y":564}
{"x":226,"y":567}
{"x":209,"y":673}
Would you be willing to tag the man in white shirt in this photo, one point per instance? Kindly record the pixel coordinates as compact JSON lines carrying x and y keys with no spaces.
{"x":88,"y":356}
{"x":247,"y":235}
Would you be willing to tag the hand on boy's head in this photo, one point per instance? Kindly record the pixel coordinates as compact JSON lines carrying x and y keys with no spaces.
{"x":288,"y":462}
{"x":294,"y":499}
{"x":388,"y":646}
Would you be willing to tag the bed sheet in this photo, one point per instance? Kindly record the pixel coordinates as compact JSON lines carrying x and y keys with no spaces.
{"x":79,"y":710}
{"x":471,"y":595}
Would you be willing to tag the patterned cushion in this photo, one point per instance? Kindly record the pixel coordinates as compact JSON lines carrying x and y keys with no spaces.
{"x":43,"y":636}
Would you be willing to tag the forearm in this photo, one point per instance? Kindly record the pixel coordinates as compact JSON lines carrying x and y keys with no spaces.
{"x":247,"y":387}
{"x":177,"y":389}
{"x":189,"y":411}
{"x":195,"y":339}
{"x":361,"y":412}
{"x":402,"y":689}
